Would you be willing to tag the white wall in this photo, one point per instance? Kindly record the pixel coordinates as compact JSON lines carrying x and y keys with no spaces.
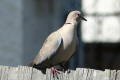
{"x":103,"y":23}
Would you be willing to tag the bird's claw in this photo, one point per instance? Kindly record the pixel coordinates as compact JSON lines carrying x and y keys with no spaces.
{"x":55,"y":71}
{"x":68,"y":71}
{"x":65,"y":68}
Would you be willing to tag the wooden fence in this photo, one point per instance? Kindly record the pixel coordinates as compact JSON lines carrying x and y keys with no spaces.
{"x":28,"y":73}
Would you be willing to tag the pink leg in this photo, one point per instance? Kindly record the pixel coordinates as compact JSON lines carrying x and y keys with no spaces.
{"x":54,"y":71}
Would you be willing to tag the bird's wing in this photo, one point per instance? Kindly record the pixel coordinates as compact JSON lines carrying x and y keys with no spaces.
{"x":49,"y":48}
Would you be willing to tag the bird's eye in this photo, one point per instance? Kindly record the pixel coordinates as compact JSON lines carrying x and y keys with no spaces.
{"x":78,"y":14}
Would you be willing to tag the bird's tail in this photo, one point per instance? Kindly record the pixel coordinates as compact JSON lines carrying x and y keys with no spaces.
{"x":30,"y":65}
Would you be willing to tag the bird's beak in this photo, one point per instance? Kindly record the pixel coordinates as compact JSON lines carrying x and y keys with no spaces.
{"x":84,"y":19}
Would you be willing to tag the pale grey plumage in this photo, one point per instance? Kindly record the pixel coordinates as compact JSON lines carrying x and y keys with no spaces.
{"x":60,"y":45}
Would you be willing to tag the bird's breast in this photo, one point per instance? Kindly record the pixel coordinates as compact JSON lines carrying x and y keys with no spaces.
{"x":69,"y":47}
{"x":69,"y":38}
{"x":69,"y":44}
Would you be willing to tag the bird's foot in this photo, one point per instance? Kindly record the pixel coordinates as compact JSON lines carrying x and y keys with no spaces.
{"x":65,"y":68}
{"x":54,"y":71}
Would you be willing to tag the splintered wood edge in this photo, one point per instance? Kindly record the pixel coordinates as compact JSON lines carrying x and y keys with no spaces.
{"x":29,"y":73}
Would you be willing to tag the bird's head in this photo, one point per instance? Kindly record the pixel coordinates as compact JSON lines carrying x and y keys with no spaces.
{"x":75,"y":16}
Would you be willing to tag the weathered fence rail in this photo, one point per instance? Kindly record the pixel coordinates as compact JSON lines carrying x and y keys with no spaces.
{"x":28,"y":73}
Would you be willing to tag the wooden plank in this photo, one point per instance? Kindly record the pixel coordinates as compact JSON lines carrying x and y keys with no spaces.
{"x":29,"y":73}
{"x":24,"y":73}
{"x":118,"y":75}
{"x":12,"y":73}
{"x":4,"y":73}
{"x":37,"y":75}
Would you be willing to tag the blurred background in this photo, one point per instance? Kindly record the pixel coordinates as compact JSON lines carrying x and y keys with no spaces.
{"x":25,"y":24}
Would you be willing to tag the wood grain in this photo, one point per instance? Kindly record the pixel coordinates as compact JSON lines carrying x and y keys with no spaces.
{"x":29,"y":73}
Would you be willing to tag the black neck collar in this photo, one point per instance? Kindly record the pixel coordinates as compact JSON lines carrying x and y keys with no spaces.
{"x":68,"y":23}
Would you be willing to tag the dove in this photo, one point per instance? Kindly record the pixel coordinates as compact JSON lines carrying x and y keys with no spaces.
{"x":60,"y":45}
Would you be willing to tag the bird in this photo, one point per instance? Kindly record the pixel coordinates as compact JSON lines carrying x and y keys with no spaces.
{"x":60,"y":45}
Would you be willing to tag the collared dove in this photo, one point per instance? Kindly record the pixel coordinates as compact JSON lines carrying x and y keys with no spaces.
{"x":59,"y":45}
